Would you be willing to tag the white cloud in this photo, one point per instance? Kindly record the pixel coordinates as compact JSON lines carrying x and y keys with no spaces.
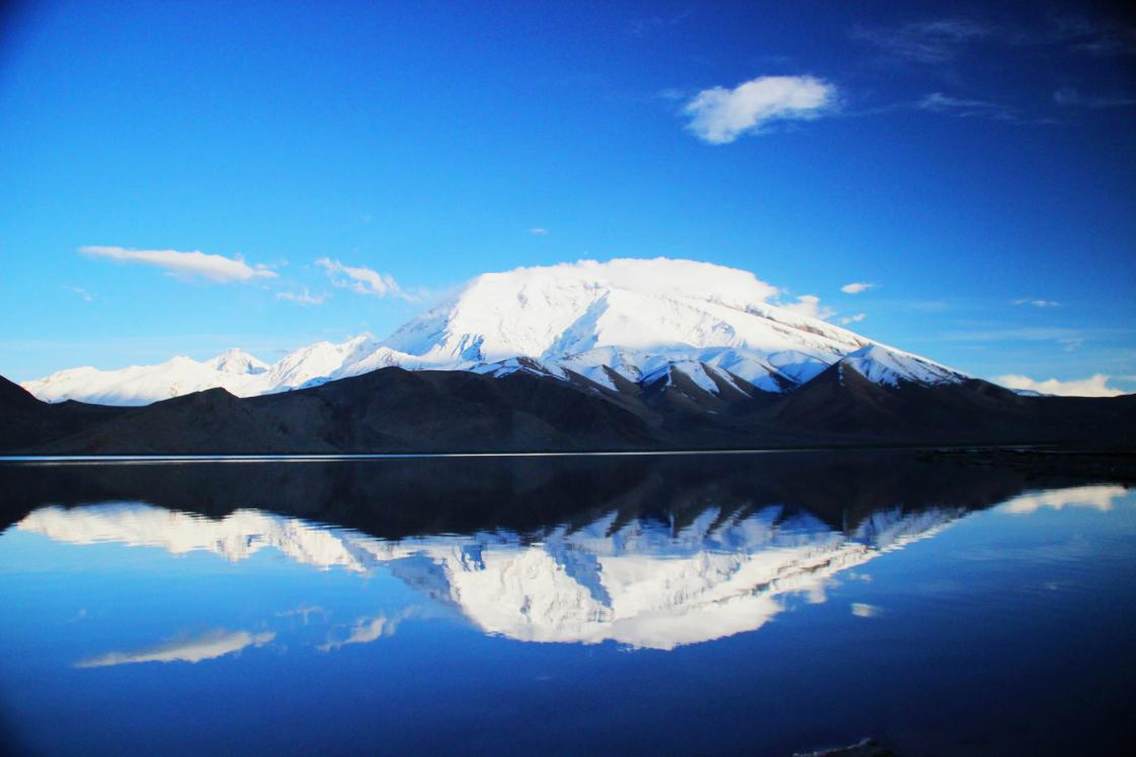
{"x":303,"y":297}
{"x":1098,"y":497}
{"x":82,"y":293}
{"x":538,"y":231}
{"x":853,"y":318}
{"x":206,"y":647}
{"x":1093,"y":386}
{"x":864,"y":610}
{"x":809,"y":304}
{"x":856,"y":287}
{"x":1037,"y":303}
{"x":185,"y":265}
{"x":719,"y":115}
{"x":363,"y":280}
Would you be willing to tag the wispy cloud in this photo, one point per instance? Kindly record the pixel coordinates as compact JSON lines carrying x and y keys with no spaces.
{"x":1039,"y":334}
{"x":1093,"y":386}
{"x":1107,"y":44}
{"x":849,"y":319}
{"x":856,"y":287}
{"x":642,"y":27}
{"x":962,"y":107}
{"x":538,"y":231}
{"x":809,"y":305}
{"x":939,"y":41}
{"x":719,"y":115}
{"x":1037,"y":303}
{"x":207,"y":647}
{"x":185,"y":265}
{"x":1069,"y":97}
{"x":1100,"y":38}
{"x":82,"y":293}
{"x":931,"y":42}
{"x":302,"y":297}
{"x":363,"y":280}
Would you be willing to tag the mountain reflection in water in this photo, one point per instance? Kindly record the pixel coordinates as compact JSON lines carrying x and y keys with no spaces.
{"x":942,"y":603}
{"x":639,"y":583}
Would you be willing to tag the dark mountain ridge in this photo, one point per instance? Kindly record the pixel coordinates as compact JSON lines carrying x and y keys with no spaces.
{"x":393,"y":498}
{"x":395,"y":410}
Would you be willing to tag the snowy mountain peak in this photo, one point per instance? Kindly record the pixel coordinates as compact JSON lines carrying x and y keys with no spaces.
{"x":316,"y":361}
{"x":884,"y":365}
{"x":237,"y":361}
{"x":646,"y":307}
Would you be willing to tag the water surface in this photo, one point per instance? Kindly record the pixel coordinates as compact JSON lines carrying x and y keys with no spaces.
{"x":757,"y":604}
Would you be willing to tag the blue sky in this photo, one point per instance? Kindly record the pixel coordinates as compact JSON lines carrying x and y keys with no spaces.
{"x":978,"y":167}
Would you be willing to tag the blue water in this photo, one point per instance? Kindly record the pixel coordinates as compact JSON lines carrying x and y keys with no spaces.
{"x":706,"y":624}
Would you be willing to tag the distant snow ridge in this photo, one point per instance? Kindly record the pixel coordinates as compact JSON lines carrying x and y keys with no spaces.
{"x":641,"y":320}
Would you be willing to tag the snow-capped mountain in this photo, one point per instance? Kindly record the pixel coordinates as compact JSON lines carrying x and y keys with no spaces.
{"x":637,"y":583}
{"x":237,"y":362}
{"x":883,"y":365}
{"x":233,"y":370}
{"x":641,"y":320}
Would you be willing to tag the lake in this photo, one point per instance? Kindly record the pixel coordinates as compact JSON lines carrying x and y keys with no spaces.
{"x":753,"y":603}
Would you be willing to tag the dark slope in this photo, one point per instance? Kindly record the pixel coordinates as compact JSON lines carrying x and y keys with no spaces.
{"x":841,"y":404}
{"x":213,"y":421}
{"x":13,"y":396}
{"x":393,"y":410}
{"x":390,"y":410}
{"x":28,"y":423}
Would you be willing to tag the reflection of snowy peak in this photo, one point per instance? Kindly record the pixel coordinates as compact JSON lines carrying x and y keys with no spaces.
{"x":641,"y":584}
{"x":234,"y":537}
{"x":641,"y":319}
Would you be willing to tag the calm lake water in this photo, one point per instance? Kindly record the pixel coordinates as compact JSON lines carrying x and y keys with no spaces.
{"x":759,"y":604}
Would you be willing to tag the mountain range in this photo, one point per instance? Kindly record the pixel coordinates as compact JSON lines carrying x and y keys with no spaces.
{"x":632,"y":320}
{"x":628,"y":354}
